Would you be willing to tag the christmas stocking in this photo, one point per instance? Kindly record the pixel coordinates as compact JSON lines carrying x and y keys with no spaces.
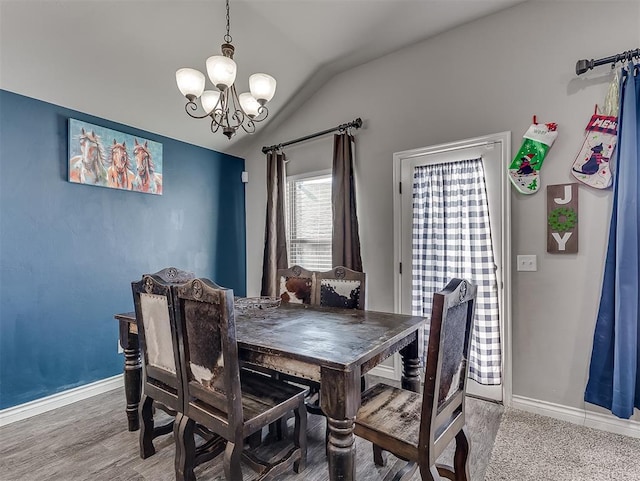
{"x":592,"y":163}
{"x":525,"y":168}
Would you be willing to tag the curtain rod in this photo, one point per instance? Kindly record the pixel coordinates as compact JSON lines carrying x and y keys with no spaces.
{"x":357,"y":123}
{"x":583,"y":65}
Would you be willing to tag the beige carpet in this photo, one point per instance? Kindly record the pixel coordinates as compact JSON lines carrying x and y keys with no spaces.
{"x":529,"y":447}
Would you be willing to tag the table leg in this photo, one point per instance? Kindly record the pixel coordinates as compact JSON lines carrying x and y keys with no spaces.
{"x":340,"y":400}
{"x":411,"y":366}
{"x":132,"y":374}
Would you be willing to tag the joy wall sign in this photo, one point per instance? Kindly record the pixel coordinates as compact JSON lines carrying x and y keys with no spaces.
{"x":562,"y":218}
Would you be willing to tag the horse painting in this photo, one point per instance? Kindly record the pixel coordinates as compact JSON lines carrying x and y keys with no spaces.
{"x":89,"y":166}
{"x":119,"y":173}
{"x":104,"y":157}
{"x":147,"y":180}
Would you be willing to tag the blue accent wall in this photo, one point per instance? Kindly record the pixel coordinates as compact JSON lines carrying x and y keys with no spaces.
{"x":68,"y":252}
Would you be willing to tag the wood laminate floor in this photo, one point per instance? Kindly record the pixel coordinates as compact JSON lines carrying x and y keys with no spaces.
{"x":88,"y":440}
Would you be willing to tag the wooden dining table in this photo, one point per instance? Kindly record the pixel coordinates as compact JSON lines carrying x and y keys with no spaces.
{"x":334,"y":347}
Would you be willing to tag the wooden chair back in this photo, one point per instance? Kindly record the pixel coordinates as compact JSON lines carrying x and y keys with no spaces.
{"x":297,"y":285}
{"x":173,"y":275}
{"x":157,"y":335}
{"x":443,"y":408}
{"x":206,"y":327}
{"x":341,"y":287}
{"x":230,"y":403}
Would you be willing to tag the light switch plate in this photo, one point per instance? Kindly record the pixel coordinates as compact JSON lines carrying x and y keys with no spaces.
{"x":528,"y":263}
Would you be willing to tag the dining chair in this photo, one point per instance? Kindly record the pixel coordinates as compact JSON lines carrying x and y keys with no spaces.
{"x":417,"y":428}
{"x":157,"y":335}
{"x":297,"y":285}
{"x":340,"y":287}
{"x":232,"y":403}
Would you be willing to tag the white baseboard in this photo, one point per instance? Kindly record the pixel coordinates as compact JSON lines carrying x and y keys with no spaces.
{"x":582,"y":417}
{"x":48,"y":403}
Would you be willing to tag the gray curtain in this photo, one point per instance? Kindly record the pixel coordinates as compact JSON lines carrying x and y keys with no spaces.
{"x":345,"y":245}
{"x":275,"y":238}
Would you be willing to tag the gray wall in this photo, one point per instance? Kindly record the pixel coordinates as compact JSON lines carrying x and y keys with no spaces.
{"x":488,"y":76}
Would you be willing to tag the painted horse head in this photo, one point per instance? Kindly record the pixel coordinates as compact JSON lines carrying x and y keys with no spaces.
{"x":144,"y":162}
{"x":147,"y":179}
{"x":93,"y":157}
{"x":120,"y":157}
{"x":120,"y":174}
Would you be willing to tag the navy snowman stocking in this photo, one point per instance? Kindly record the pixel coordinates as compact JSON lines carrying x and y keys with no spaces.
{"x":591,"y":165}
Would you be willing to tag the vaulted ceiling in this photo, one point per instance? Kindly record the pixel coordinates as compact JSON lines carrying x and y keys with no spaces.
{"x":117,"y":59}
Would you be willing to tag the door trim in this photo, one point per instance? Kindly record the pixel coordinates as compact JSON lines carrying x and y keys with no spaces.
{"x":503,"y":139}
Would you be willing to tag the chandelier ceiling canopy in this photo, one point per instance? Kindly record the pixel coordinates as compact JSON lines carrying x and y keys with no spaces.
{"x":226,"y":109}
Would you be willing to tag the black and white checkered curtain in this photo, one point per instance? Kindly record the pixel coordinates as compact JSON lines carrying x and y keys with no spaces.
{"x":452,"y":238}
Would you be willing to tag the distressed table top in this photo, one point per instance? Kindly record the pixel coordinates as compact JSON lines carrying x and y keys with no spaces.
{"x":338,"y":338}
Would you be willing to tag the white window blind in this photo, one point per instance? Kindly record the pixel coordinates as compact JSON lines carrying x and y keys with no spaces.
{"x":309,"y":221}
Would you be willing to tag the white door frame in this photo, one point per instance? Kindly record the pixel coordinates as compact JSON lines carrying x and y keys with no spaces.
{"x":501,"y":140}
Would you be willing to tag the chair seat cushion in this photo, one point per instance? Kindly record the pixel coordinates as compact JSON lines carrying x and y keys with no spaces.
{"x":394,"y":414}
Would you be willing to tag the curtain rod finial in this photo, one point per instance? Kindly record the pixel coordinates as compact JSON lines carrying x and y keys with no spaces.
{"x":582,"y":66}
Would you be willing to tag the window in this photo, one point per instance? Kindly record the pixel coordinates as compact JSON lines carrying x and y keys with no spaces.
{"x":309,"y":221}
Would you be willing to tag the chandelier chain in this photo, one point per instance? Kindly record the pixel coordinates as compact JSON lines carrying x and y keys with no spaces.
{"x":227,"y":37}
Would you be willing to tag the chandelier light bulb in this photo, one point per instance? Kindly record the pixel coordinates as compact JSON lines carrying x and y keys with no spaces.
{"x":262,"y":86}
{"x":222,"y":71}
{"x":190,"y":82}
{"x":249,"y":104}
{"x":209,"y":100}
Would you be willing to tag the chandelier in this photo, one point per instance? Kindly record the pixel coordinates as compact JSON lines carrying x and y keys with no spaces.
{"x":224,"y":106}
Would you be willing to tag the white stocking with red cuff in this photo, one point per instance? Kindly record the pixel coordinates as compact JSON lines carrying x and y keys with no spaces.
{"x":592,"y":166}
